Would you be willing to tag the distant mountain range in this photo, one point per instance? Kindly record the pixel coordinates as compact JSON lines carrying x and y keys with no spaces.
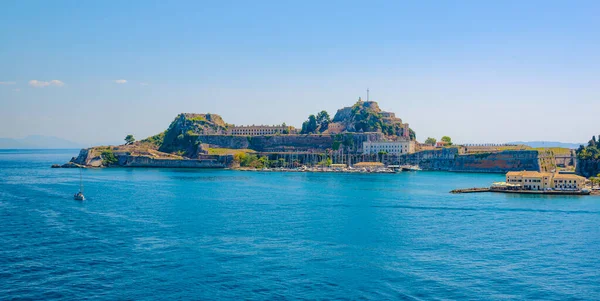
{"x":548,"y":144}
{"x":37,"y":141}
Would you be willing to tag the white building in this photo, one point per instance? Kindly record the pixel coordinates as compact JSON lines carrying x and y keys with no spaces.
{"x":390,"y":147}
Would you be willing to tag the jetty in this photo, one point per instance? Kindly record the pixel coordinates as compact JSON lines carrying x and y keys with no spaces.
{"x":470,"y":190}
{"x":524,"y":191}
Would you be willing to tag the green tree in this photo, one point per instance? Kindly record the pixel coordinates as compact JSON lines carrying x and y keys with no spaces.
{"x":447,"y":140}
{"x":323,"y":121}
{"x":336,"y":145}
{"x":411,"y":134}
{"x":595,"y":180}
{"x":430,"y":140}
{"x":129,"y":139}
{"x":310,"y":126}
{"x":592,"y":142}
{"x":286,"y":129}
{"x":326,"y":162}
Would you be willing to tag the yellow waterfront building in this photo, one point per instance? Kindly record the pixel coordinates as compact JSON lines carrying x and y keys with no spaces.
{"x":568,"y":181}
{"x":534,"y":180}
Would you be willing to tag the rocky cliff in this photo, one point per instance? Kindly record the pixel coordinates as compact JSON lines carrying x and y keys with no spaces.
{"x":366,"y":116}
{"x":182,"y":135}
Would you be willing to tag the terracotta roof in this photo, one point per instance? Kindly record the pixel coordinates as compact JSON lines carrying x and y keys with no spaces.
{"x":528,"y":174}
{"x":568,"y":177}
{"x":514,"y":173}
{"x":536,"y":174}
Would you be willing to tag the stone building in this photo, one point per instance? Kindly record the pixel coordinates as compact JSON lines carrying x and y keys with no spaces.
{"x":336,"y":128}
{"x":389,"y":147}
{"x":258,"y":130}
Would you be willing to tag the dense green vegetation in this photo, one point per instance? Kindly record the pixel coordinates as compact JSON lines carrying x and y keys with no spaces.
{"x":286,"y":129}
{"x":362,"y":118}
{"x":198,"y":118}
{"x":367,"y":119}
{"x":182,"y":135}
{"x":555,"y":150}
{"x":316,"y":124}
{"x":251,"y":160}
{"x":591,"y":151}
{"x":447,"y":139}
{"x":155,"y":140}
{"x":346,"y":140}
{"x":430,"y":140}
{"x":228,"y":151}
{"x":595,"y":180}
{"x":108,"y":158}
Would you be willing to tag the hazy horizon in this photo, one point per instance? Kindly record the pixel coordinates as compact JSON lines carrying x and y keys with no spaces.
{"x":478,"y":72}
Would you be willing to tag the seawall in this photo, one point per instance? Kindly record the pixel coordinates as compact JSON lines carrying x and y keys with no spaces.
{"x":143,"y":161}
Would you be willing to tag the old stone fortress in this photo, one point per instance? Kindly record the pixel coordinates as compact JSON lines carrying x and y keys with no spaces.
{"x":358,"y":133}
{"x":394,"y":146}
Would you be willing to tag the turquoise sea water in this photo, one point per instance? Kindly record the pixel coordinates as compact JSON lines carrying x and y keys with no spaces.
{"x":148,"y":234}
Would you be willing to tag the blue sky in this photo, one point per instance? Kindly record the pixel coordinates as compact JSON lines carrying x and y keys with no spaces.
{"x":478,"y":71}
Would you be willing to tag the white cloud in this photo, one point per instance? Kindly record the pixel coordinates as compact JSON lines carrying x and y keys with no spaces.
{"x":8,"y":83}
{"x":40,"y":84}
{"x":57,"y":83}
{"x":121,"y":81}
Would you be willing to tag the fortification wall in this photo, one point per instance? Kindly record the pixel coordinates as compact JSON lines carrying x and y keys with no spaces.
{"x":447,"y":159}
{"x":450,"y":159}
{"x":283,"y":143}
{"x":92,"y":158}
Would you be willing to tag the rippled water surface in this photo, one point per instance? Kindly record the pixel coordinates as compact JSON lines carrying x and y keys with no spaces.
{"x":210,"y":234}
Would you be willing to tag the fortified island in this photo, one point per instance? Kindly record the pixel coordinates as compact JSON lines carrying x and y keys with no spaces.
{"x":361,"y":135}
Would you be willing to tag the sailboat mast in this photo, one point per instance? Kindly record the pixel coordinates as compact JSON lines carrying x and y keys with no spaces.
{"x":80,"y":181}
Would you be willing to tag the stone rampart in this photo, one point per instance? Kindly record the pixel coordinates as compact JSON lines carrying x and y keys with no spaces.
{"x":285,"y":143}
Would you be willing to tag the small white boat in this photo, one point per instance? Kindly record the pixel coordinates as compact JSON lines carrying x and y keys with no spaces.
{"x":409,"y":167}
{"x":79,"y":196}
